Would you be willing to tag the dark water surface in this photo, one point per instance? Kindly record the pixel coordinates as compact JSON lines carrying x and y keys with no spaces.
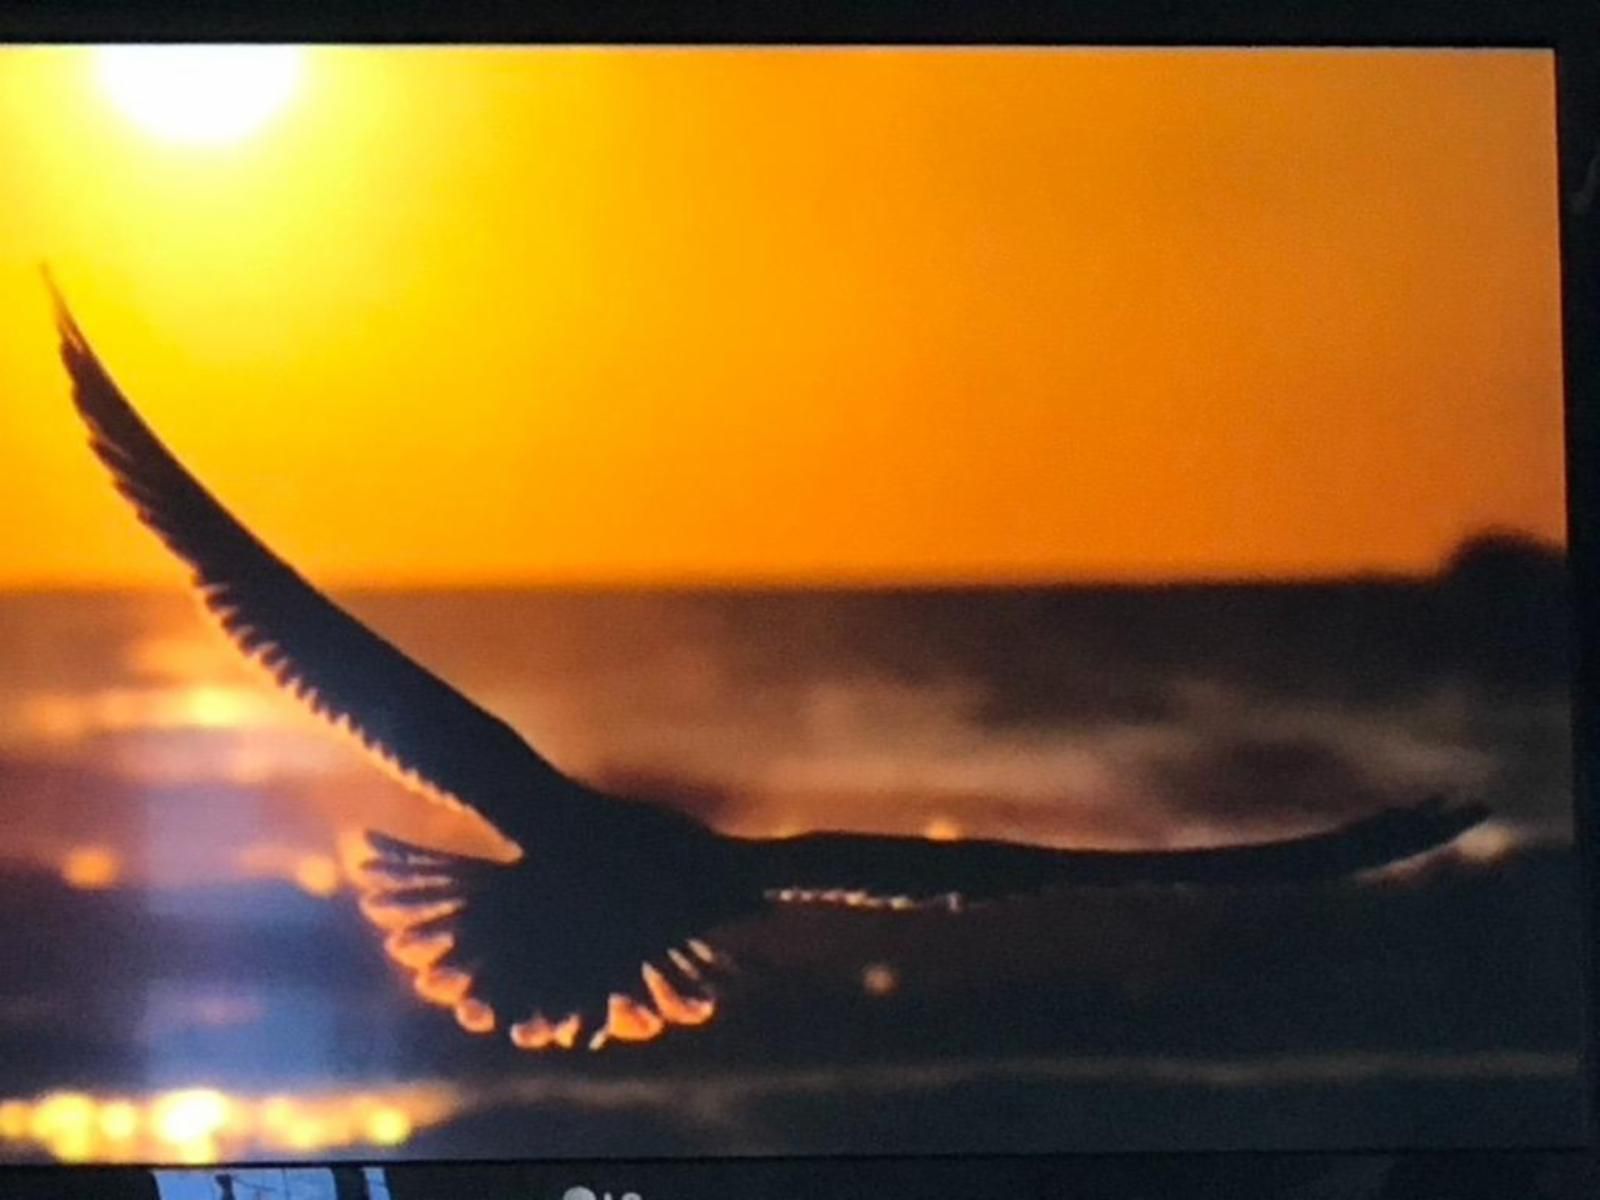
{"x":183,"y":974}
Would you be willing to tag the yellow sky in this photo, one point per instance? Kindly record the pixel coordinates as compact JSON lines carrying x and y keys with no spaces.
{"x":494,"y":316}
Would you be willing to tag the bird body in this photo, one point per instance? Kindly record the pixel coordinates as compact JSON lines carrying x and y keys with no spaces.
{"x":594,"y":930}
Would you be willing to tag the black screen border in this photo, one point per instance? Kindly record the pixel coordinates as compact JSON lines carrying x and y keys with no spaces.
{"x":1565,"y":29}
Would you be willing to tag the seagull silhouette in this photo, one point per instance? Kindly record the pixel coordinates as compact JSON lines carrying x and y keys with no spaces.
{"x":596,"y":930}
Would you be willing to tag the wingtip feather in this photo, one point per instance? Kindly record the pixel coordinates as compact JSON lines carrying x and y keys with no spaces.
{"x":66,"y":324}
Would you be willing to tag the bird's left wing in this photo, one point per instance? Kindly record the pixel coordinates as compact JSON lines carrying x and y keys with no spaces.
{"x":412,"y":721}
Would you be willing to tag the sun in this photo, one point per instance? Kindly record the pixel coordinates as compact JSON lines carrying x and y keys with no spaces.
{"x":199,"y":95}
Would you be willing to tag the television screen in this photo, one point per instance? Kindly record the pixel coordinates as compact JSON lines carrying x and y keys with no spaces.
{"x":589,"y":602}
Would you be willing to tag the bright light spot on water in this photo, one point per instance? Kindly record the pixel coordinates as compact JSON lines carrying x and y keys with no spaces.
{"x":316,"y":874}
{"x":184,"y":1118}
{"x":64,"y":1122}
{"x":879,"y":979}
{"x":219,"y":708}
{"x":304,"y":1133}
{"x":388,"y":1127}
{"x":92,"y":868}
{"x":119,"y":1120}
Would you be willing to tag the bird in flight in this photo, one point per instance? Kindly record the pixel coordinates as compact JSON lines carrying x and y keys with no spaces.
{"x":596,"y":930}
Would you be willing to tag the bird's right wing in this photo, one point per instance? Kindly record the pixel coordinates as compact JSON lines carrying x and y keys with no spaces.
{"x":875,"y":870}
{"x":431,"y":735}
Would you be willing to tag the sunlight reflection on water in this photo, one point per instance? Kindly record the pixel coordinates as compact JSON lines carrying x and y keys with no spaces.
{"x":204,"y":1125}
{"x":198,"y":1125}
{"x":67,"y":717}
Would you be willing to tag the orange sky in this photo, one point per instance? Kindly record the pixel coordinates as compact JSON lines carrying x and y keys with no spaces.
{"x":494,"y":316}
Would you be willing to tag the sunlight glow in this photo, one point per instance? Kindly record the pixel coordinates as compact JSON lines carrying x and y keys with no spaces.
{"x":91,"y":868}
{"x":943,"y":829}
{"x":199,"y":95}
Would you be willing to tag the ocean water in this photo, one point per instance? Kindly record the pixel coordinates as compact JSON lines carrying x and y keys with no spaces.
{"x":183,"y":975}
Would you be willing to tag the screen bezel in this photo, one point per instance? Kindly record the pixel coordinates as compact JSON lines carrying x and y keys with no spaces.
{"x":1347,"y":23}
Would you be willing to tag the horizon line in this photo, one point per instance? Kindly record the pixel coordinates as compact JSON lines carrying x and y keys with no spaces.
{"x":865,"y":583}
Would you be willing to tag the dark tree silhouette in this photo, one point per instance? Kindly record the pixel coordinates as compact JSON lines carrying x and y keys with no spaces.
{"x":1507,"y":608}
